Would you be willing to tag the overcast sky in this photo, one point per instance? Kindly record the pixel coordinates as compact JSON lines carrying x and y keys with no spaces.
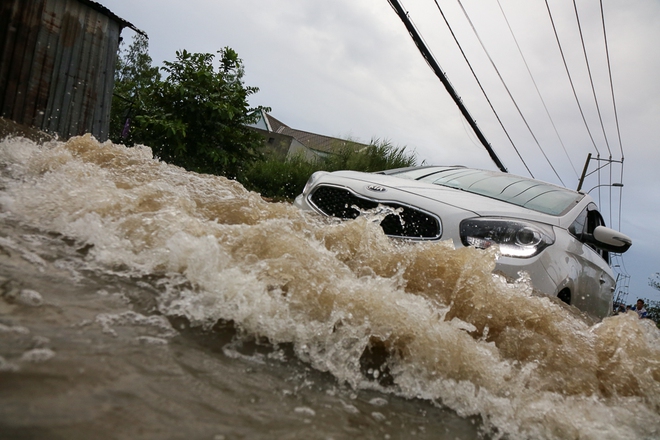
{"x":348,"y":68}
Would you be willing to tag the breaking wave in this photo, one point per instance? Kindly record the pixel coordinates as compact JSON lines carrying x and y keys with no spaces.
{"x":419,"y":320}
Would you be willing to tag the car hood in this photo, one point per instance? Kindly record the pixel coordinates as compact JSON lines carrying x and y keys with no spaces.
{"x":411,"y":192}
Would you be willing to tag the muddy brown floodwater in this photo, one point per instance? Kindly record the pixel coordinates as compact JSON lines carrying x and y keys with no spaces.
{"x":141,"y":301}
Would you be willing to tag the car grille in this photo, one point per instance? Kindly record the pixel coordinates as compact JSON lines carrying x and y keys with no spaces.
{"x":409,"y":223}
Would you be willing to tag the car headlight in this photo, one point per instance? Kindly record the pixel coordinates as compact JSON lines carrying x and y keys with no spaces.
{"x":313,"y":178}
{"x":515,"y":238}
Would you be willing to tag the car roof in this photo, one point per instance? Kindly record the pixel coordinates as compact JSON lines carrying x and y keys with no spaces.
{"x":520,"y":191}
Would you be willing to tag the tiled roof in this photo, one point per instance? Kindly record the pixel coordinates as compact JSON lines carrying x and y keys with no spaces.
{"x":275,"y":124}
{"x":313,"y":141}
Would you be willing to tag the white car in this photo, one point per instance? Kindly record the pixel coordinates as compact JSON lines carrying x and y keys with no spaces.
{"x":554,"y":234}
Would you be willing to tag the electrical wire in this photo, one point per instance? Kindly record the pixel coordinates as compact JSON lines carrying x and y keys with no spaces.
{"x":616,"y":113}
{"x":591,"y":79}
{"x":509,"y":92}
{"x":600,"y":167}
{"x":623,"y":277}
{"x":529,"y":71}
{"x":433,"y":64}
{"x":609,"y":71}
{"x":570,"y":79}
{"x":497,"y":116}
{"x":620,"y":197}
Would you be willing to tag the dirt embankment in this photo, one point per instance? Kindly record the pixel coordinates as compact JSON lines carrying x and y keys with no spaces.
{"x":11,"y":128}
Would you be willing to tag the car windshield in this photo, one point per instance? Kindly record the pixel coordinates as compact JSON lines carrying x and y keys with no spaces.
{"x":520,"y":191}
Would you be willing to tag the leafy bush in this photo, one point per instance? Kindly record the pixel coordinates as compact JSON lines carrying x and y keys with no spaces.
{"x":377,"y":156}
{"x":284,"y":180}
{"x":277,"y":179}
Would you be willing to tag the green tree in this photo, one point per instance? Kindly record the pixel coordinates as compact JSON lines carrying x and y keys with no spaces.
{"x":134,"y":81}
{"x":653,"y":310}
{"x":197,"y":116}
{"x":654,"y":281}
{"x":653,"y":307}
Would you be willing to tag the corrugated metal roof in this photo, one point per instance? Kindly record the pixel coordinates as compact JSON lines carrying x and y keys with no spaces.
{"x":107,"y":12}
{"x":57,"y":60}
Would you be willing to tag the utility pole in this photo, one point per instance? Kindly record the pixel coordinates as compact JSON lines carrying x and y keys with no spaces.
{"x":584,"y":172}
{"x":598,"y":160}
{"x":426,"y":53}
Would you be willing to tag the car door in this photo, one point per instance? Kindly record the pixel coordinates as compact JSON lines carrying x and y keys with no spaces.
{"x":594,"y":284}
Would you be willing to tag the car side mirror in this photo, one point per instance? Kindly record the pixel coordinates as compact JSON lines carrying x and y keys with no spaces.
{"x":610,"y":240}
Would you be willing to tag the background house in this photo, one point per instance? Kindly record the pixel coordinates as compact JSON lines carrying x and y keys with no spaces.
{"x":286,"y":142}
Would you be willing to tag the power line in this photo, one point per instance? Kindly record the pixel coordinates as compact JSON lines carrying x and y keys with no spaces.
{"x":616,"y":113}
{"x":537,"y":88}
{"x":623,"y":277}
{"x":509,"y":92}
{"x":620,"y":197}
{"x":570,"y":79}
{"x":430,"y":59}
{"x":497,"y":116}
{"x":591,"y":80}
{"x":609,"y":72}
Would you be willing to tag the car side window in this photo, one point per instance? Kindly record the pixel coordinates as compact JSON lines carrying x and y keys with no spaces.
{"x":584,"y":226}
{"x":577,"y":227}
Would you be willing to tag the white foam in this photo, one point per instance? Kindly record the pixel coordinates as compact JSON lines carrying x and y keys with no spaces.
{"x":305,"y":410}
{"x":37,"y":355}
{"x":29,"y":297}
{"x":455,"y":334}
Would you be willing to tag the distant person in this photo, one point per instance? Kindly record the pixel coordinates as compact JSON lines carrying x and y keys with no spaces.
{"x":641,"y":311}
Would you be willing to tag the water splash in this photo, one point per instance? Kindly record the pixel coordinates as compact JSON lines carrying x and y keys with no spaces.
{"x":421,"y":320}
